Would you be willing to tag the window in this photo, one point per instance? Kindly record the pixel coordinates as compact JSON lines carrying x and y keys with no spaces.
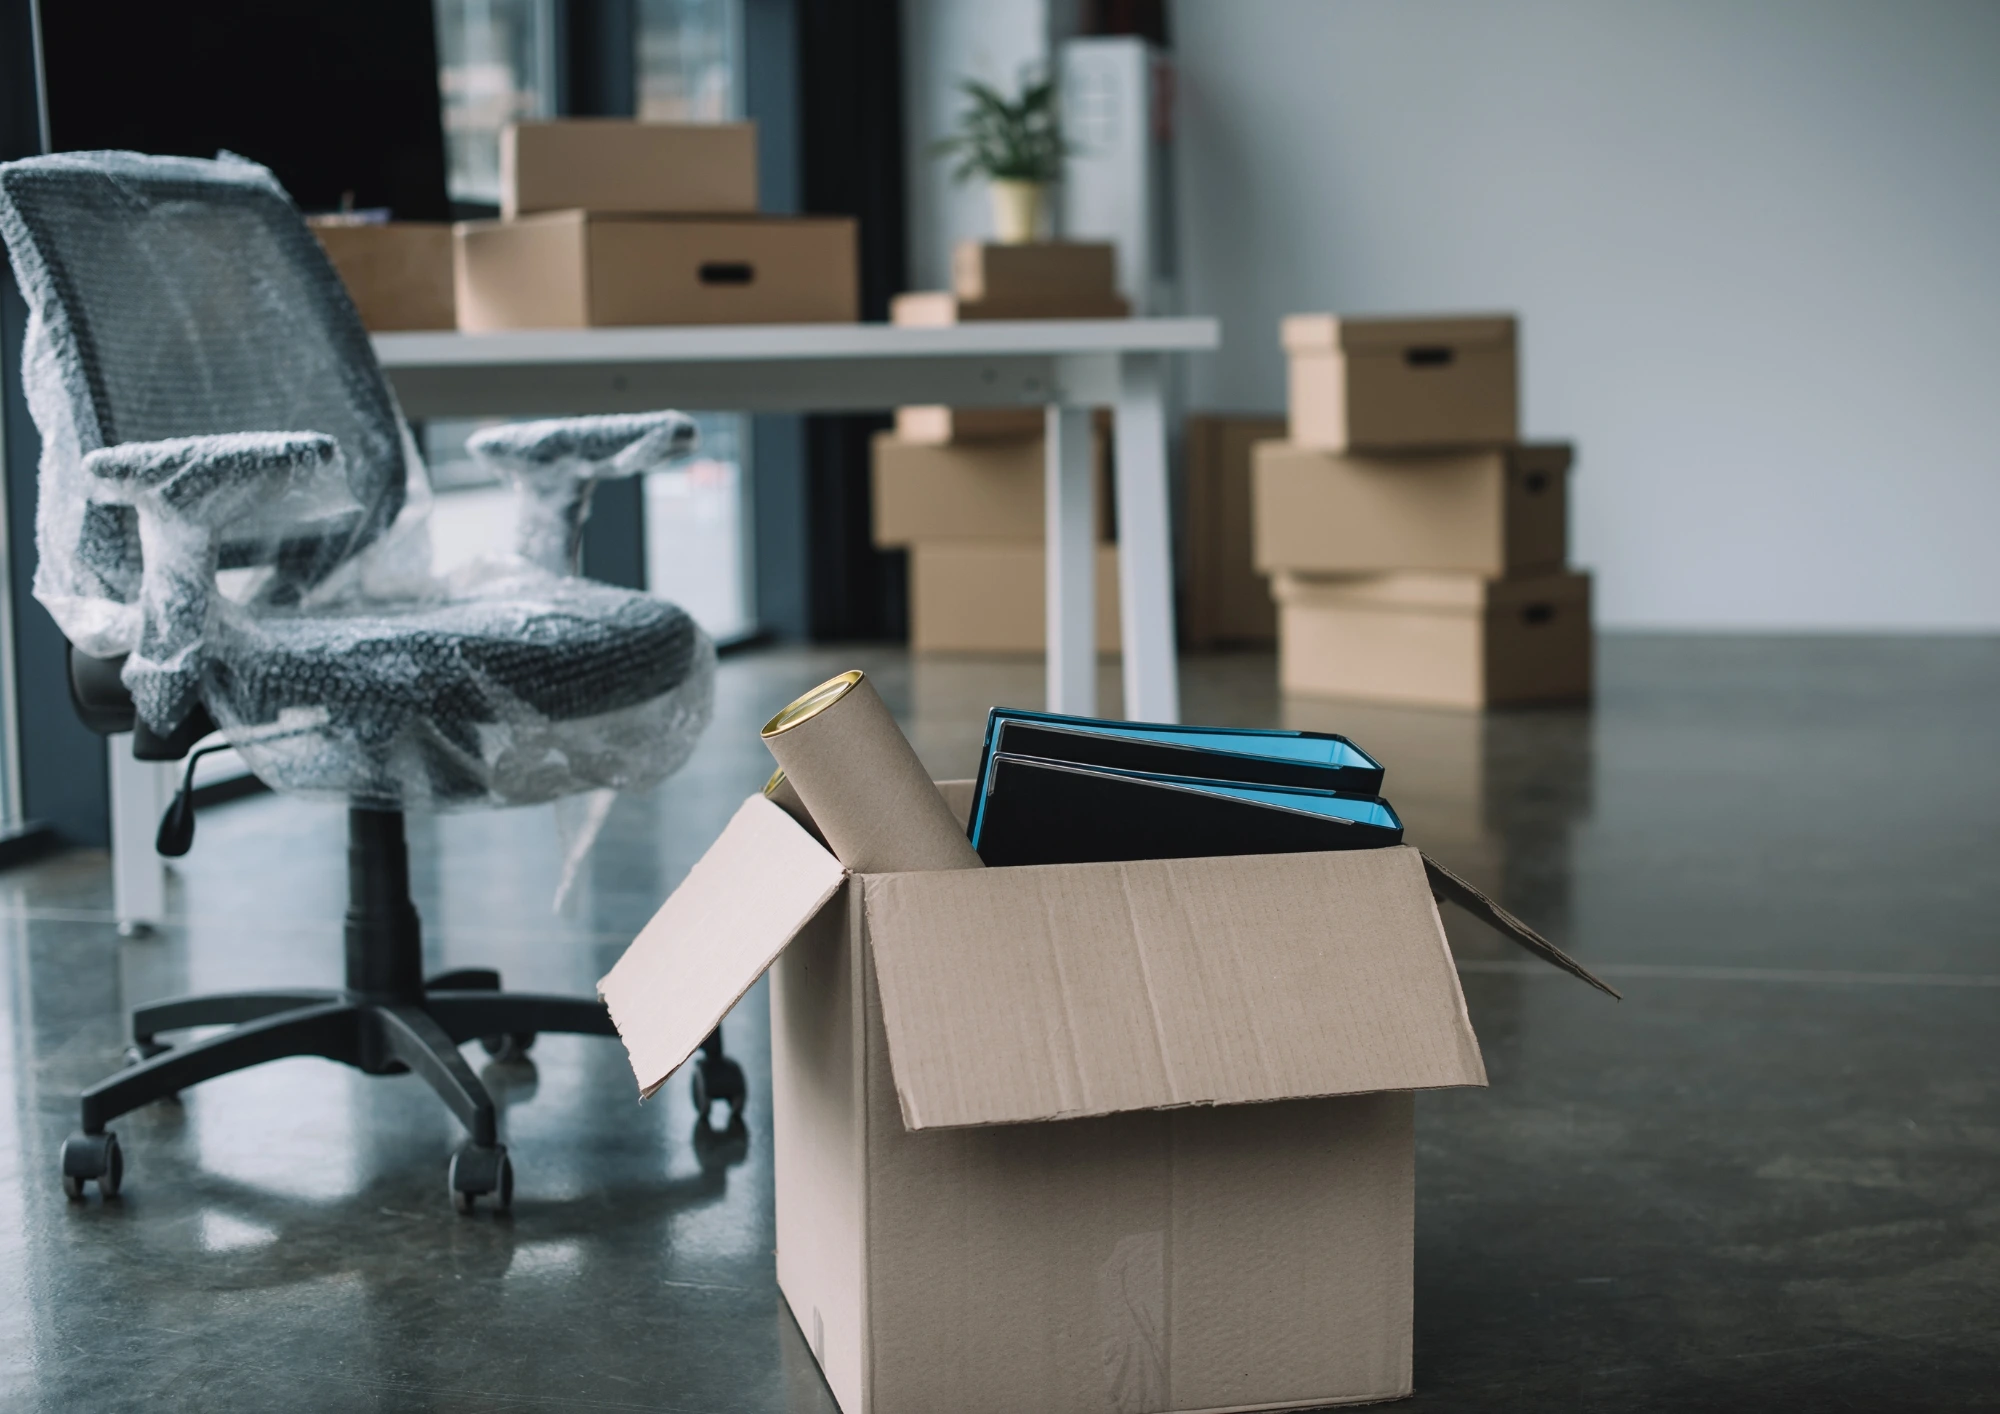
{"x":687,"y":64}
{"x":496,"y":65}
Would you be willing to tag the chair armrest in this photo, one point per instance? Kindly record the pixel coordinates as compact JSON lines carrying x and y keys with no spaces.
{"x":210,"y":481}
{"x":555,"y":465}
{"x":185,"y":490}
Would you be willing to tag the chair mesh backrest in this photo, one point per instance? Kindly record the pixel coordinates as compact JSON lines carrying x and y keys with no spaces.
{"x":180,"y":297}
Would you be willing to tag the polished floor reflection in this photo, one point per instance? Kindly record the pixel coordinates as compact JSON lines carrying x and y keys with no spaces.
{"x":1767,"y":1179}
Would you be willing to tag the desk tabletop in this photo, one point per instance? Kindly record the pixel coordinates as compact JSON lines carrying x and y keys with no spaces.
{"x":710,"y":343}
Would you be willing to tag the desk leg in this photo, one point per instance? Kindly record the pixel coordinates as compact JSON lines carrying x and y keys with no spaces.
{"x":1145,"y":546}
{"x":140,"y":792}
{"x":1070,"y":542}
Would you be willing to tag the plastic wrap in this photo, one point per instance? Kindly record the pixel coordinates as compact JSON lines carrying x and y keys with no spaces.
{"x":229,"y":501}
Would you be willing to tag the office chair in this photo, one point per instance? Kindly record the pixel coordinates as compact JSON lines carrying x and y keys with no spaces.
{"x":231,"y":535}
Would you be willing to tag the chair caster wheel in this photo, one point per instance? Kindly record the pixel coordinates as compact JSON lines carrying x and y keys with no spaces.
{"x":718,"y":1079}
{"x":92,"y":1156}
{"x":513,"y":1046}
{"x":477,"y":1171}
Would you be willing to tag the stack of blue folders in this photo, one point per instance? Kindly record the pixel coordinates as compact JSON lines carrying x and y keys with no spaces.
{"x":1074,"y":790}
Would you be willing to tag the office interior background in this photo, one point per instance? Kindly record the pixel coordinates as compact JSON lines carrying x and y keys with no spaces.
{"x":1749,"y":248}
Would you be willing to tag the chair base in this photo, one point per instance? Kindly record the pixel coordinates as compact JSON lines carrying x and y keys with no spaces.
{"x":388,"y":1020}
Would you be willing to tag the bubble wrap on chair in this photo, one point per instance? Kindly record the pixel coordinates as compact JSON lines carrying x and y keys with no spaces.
{"x":230,"y":501}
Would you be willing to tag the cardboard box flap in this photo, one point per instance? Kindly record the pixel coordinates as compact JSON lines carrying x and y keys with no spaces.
{"x":760,"y":882}
{"x":1448,"y":887}
{"x":1013,"y":995}
{"x":1324,"y":333}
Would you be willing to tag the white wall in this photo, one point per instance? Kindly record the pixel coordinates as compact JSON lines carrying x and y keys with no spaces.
{"x":1755,"y":245}
{"x":944,"y":43}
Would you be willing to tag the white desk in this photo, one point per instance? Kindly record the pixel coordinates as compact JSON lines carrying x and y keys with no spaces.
{"x":1067,"y":366}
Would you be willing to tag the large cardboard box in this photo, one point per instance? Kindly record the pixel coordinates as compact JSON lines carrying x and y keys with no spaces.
{"x":617,"y":165}
{"x":937,"y":426}
{"x":1076,"y":271}
{"x":1436,"y":639}
{"x":991,"y":596}
{"x":993,"y":491}
{"x":1227,"y":599}
{"x":1499,"y":511}
{"x":1079,"y":1138}
{"x":399,"y":275}
{"x":575,"y":270}
{"x":1396,"y":384}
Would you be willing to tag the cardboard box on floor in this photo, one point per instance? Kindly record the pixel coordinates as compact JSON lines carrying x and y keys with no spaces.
{"x":575,"y":270}
{"x":987,"y":596}
{"x":1493,"y":512}
{"x":1095,"y":1137}
{"x":1402,"y":384}
{"x":988,"y":491}
{"x":399,"y":275}
{"x":1228,"y":600}
{"x":1436,"y":640}
{"x":615,"y":165}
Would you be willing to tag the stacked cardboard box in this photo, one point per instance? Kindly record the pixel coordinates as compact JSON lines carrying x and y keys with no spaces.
{"x":1416,"y":546}
{"x":611,"y":222}
{"x":398,"y":273}
{"x":962,"y":488}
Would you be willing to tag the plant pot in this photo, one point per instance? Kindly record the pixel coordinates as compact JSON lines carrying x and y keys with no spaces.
{"x":1017,"y":210}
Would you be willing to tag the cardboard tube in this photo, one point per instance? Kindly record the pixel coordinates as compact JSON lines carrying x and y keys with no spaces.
{"x":781,"y":793}
{"x":854,"y":771}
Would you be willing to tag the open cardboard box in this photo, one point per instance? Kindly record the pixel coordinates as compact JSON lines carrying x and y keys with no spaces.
{"x":1098,"y":1137}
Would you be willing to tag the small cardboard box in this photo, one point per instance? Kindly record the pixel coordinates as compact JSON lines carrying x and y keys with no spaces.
{"x":1092,"y":1137}
{"x":614,"y":165}
{"x":399,"y":275}
{"x":574,"y":270}
{"x":1400,"y":384}
{"x":991,"y":596}
{"x":1055,"y":271}
{"x":1500,"y":511}
{"x":990,"y":491}
{"x":1437,"y":640}
{"x":1228,"y":601}
{"x":940,"y":309}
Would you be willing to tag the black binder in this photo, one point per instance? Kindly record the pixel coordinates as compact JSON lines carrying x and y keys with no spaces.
{"x":1314,"y":760}
{"x":1034,"y":811}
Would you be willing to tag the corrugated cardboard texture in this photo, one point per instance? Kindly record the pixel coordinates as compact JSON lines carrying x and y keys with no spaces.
{"x":1037,"y":270}
{"x":1402,"y":384}
{"x":1491,"y":512}
{"x":569,"y":270}
{"x":1246,"y":1257}
{"x":399,"y":275}
{"x":1436,"y":640}
{"x":1038,"y":993}
{"x":1227,"y":601}
{"x":759,"y":883}
{"x":969,"y":597}
{"x":615,"y":165}
{"x":863,"y":785}
{"x":983,"y":491}
{"x":818,"y":1160}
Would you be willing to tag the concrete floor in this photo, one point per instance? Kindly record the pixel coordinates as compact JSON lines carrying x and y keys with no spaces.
{"x":1769,"y":1179}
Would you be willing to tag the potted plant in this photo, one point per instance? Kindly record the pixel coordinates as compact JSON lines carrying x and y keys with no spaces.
{"x":1017,"y":146}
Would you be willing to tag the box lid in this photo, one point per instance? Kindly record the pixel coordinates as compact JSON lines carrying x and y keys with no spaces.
{"x":760,"y":882}
{"x":1324,"y":333}
{"x":1012,"y":995}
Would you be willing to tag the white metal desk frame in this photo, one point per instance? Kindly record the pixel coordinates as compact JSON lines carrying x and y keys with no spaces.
{"x":1068,"y":367}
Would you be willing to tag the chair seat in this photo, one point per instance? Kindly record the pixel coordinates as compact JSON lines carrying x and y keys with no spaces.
{"x":529,"y":653}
